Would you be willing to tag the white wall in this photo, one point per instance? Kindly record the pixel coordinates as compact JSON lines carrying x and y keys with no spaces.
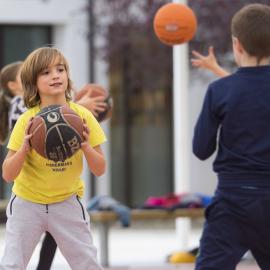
{"x":69,"y":19}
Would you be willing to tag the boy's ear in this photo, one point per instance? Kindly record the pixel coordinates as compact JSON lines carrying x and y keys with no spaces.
{"x":238,"y":45}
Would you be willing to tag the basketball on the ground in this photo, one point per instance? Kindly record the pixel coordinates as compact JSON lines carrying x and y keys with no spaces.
{"x":57,"y":133}
{"x":175,"y":23}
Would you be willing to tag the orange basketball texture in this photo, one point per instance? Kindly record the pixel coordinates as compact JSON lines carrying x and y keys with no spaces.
{"x":175,"y":24}
{"x":57,"y":133}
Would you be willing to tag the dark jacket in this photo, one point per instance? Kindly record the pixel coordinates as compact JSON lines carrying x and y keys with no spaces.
{"x":236,"y":117}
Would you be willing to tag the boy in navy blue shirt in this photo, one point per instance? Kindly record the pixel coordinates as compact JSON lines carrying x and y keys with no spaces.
{"x":236,"y":109}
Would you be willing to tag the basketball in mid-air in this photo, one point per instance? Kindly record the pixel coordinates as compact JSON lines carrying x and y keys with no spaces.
{"x":57,"y":133}
{"x":175,"y":23}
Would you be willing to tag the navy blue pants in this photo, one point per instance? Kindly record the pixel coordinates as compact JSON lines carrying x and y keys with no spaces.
{"x":237,"y":220}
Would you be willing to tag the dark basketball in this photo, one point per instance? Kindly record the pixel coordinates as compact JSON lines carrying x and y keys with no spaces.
{"x":57,"y":133}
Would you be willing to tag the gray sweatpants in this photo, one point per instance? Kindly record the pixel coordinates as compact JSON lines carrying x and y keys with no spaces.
{"x":67,"y":222}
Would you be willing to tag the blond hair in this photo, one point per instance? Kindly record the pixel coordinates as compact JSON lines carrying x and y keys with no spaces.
{"x":33,"y":65}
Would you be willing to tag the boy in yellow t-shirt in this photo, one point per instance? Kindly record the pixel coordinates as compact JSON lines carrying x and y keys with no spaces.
{"x":46,"y":195}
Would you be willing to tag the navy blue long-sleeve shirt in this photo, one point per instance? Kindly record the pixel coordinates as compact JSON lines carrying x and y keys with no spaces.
{"x":236,"y":117}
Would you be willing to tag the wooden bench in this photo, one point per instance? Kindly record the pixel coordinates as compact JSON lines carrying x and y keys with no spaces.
{"x":105,"y":219}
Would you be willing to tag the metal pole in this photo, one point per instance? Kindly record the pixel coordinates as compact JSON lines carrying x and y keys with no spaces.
{"x":180,"y":112}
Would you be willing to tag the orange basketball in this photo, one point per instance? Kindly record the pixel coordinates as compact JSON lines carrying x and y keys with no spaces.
{"x":175,"y":24}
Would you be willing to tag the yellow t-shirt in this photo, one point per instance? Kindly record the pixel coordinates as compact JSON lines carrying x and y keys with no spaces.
{"x":44,"y":181}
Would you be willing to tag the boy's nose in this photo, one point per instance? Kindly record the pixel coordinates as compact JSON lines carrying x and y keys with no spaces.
{"x":55,"y":74}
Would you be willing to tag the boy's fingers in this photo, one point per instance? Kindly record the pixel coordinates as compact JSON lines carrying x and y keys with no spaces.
{"x":197,"y":54}
{"x":195,"y":62}
{"x":86,"y":91}
{"x":29,"y":125}
{"x":101,"y":108}
{"x":87,"y":130}
{"x":101,"y":104}
{"x":85,"y":125}
{"x":99,"y":98}
{"x":28,"y":136}
{"x":211,"y":50}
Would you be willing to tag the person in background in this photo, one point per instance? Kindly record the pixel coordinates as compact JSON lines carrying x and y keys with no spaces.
{"x":236,"y":115}
{"x":11,"y":103}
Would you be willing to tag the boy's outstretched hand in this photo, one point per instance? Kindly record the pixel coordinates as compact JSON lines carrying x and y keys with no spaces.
{"x":208,"y":62}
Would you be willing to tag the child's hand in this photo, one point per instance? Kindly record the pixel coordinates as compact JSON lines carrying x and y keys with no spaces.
{"x":208,"y":62}
{"x":95,"y":105}
{"x":86,"y":133}
{"x":26,"y":143}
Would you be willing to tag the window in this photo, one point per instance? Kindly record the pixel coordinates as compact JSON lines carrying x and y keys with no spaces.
{"x":16,"y":42}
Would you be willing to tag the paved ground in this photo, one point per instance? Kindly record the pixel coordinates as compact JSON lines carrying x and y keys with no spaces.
{"x":181,"y":267}
{"x":140,"y":248}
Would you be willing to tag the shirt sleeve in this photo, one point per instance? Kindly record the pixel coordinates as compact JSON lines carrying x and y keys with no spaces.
{"x":206,"y":128}
{"x":96,"y":136}
{"x":18,"y":134}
